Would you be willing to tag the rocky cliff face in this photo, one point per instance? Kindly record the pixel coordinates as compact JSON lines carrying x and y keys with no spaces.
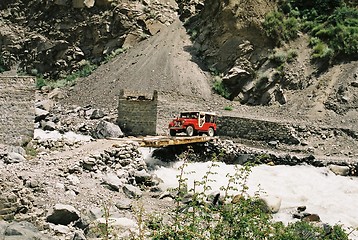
{"x":230,"y":32}
{"x":230,"y":38}
{"x":54,"y":38}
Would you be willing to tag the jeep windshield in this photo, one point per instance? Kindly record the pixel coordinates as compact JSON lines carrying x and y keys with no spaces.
{"x":189,"y":115}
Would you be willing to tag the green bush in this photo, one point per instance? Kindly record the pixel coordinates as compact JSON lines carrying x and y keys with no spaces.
{"x":322,"y":7}
{"x":322,"y":51}
{"x":292,"y":28}
{"x":113,"y":54}
{"x":273,"y":25}
{"x":291,"y":55}
{"x":69,"y":80}
{"x":221,"y":89}
{"x":340,"y":31}
{"x":280,"y":58}
{"x":86,"y":70}
{"x":40,"y":82}
{"x":228,"y":108}
{"x":331,"y":22}
{"x":281,"y":28}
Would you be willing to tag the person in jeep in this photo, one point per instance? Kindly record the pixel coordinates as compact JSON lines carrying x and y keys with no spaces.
{"x":194,"y":123}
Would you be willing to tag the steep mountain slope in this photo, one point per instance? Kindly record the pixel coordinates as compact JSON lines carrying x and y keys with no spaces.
{"x":230,"y":32}
{"x":163,"y":62}
{"x":56,"y":38}
{"x":225,"y":37}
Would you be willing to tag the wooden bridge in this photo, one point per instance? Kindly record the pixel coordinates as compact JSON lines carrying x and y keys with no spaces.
{"x":162,"y":141}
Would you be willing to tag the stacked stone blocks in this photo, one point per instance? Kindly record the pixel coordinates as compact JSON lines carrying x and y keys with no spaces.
{"x":256,"y":129}
{"x":137,"y":113}
{"x":17,"y":106}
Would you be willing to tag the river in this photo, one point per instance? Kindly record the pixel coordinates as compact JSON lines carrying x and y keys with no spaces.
{"x":334,"y":198}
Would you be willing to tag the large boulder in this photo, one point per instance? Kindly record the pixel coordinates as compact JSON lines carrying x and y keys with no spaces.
{"x":142,"y":177}
{"x":272,"y":203}
{"x":112,"y":182}
{"x":339,"y":170}
{"x":40,"y":114}
{"x":132,"y":191}
{"x":20,"y":231}
{"x":14,"y":157}
{"x":106,"y":129}
{"x":8,"y":205}
{"x":63,"y":214}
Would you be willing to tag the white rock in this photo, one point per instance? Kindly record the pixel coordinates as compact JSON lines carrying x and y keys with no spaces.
{"x":14,"y":157}
{"x":60,"y":185}
{"x":119,"y":222}
{"x":272,"y":203}
{"x":60,"y":228}
{"x":112,"y":181}
{"x":56,"y":94}
{"x":73,"y":179}
{"x":339,"y":170}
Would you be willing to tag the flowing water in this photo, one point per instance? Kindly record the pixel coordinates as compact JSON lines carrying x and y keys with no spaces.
{"x":334,"y":198}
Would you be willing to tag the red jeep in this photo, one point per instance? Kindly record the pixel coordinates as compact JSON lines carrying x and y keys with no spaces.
{"x":193,"y":123}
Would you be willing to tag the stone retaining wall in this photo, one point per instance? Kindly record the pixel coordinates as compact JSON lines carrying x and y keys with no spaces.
{"x":17,"y":109}
{"x":254,"y":129}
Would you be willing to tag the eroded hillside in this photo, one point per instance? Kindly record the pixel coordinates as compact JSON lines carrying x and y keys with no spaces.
{"x":55,"y":38}
{"x":225,"y":38}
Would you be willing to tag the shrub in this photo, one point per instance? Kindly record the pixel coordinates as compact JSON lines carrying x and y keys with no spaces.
{"x":338,"y":31}
{"x":322,"y":51}
{"x":86,"y":70}
{"x":40,"y":82}
{"x":320,"y":6}
{"x":69,"y":80}
{"x":113,"y":54}
{"x":273,"y":25}
{"x":342,"y":31}
{"x":228,"y":108}
{"x":31,"y":151}
{"x":220,"y":88}
{"x":292,"y":28}
{"x":278,"y":57}
{"x":330,"y":21}
{"x":280,"y":28}
{"x":291,"y":55}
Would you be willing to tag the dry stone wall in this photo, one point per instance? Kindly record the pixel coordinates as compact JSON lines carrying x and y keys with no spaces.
{"x":255,"y":129}
{"x":137,"y":113}
{"x":17,"y":110}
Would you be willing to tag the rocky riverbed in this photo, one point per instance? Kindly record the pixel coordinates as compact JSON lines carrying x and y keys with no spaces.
{"x":65,"y":192}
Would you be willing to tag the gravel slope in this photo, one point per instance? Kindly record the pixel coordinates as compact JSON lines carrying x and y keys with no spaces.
{"x":163,"y":62}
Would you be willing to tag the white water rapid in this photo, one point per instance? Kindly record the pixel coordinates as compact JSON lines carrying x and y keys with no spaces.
{"x":334,"y":198}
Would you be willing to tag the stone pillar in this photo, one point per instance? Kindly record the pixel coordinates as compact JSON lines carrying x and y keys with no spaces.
{"x":137,"y":113}
{"x":17,"y":110}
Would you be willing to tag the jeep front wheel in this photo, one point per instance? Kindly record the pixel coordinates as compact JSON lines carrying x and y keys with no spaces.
{"x":190,"y":131}
{"x":172,"y":132}
{"x":211,"y":132}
